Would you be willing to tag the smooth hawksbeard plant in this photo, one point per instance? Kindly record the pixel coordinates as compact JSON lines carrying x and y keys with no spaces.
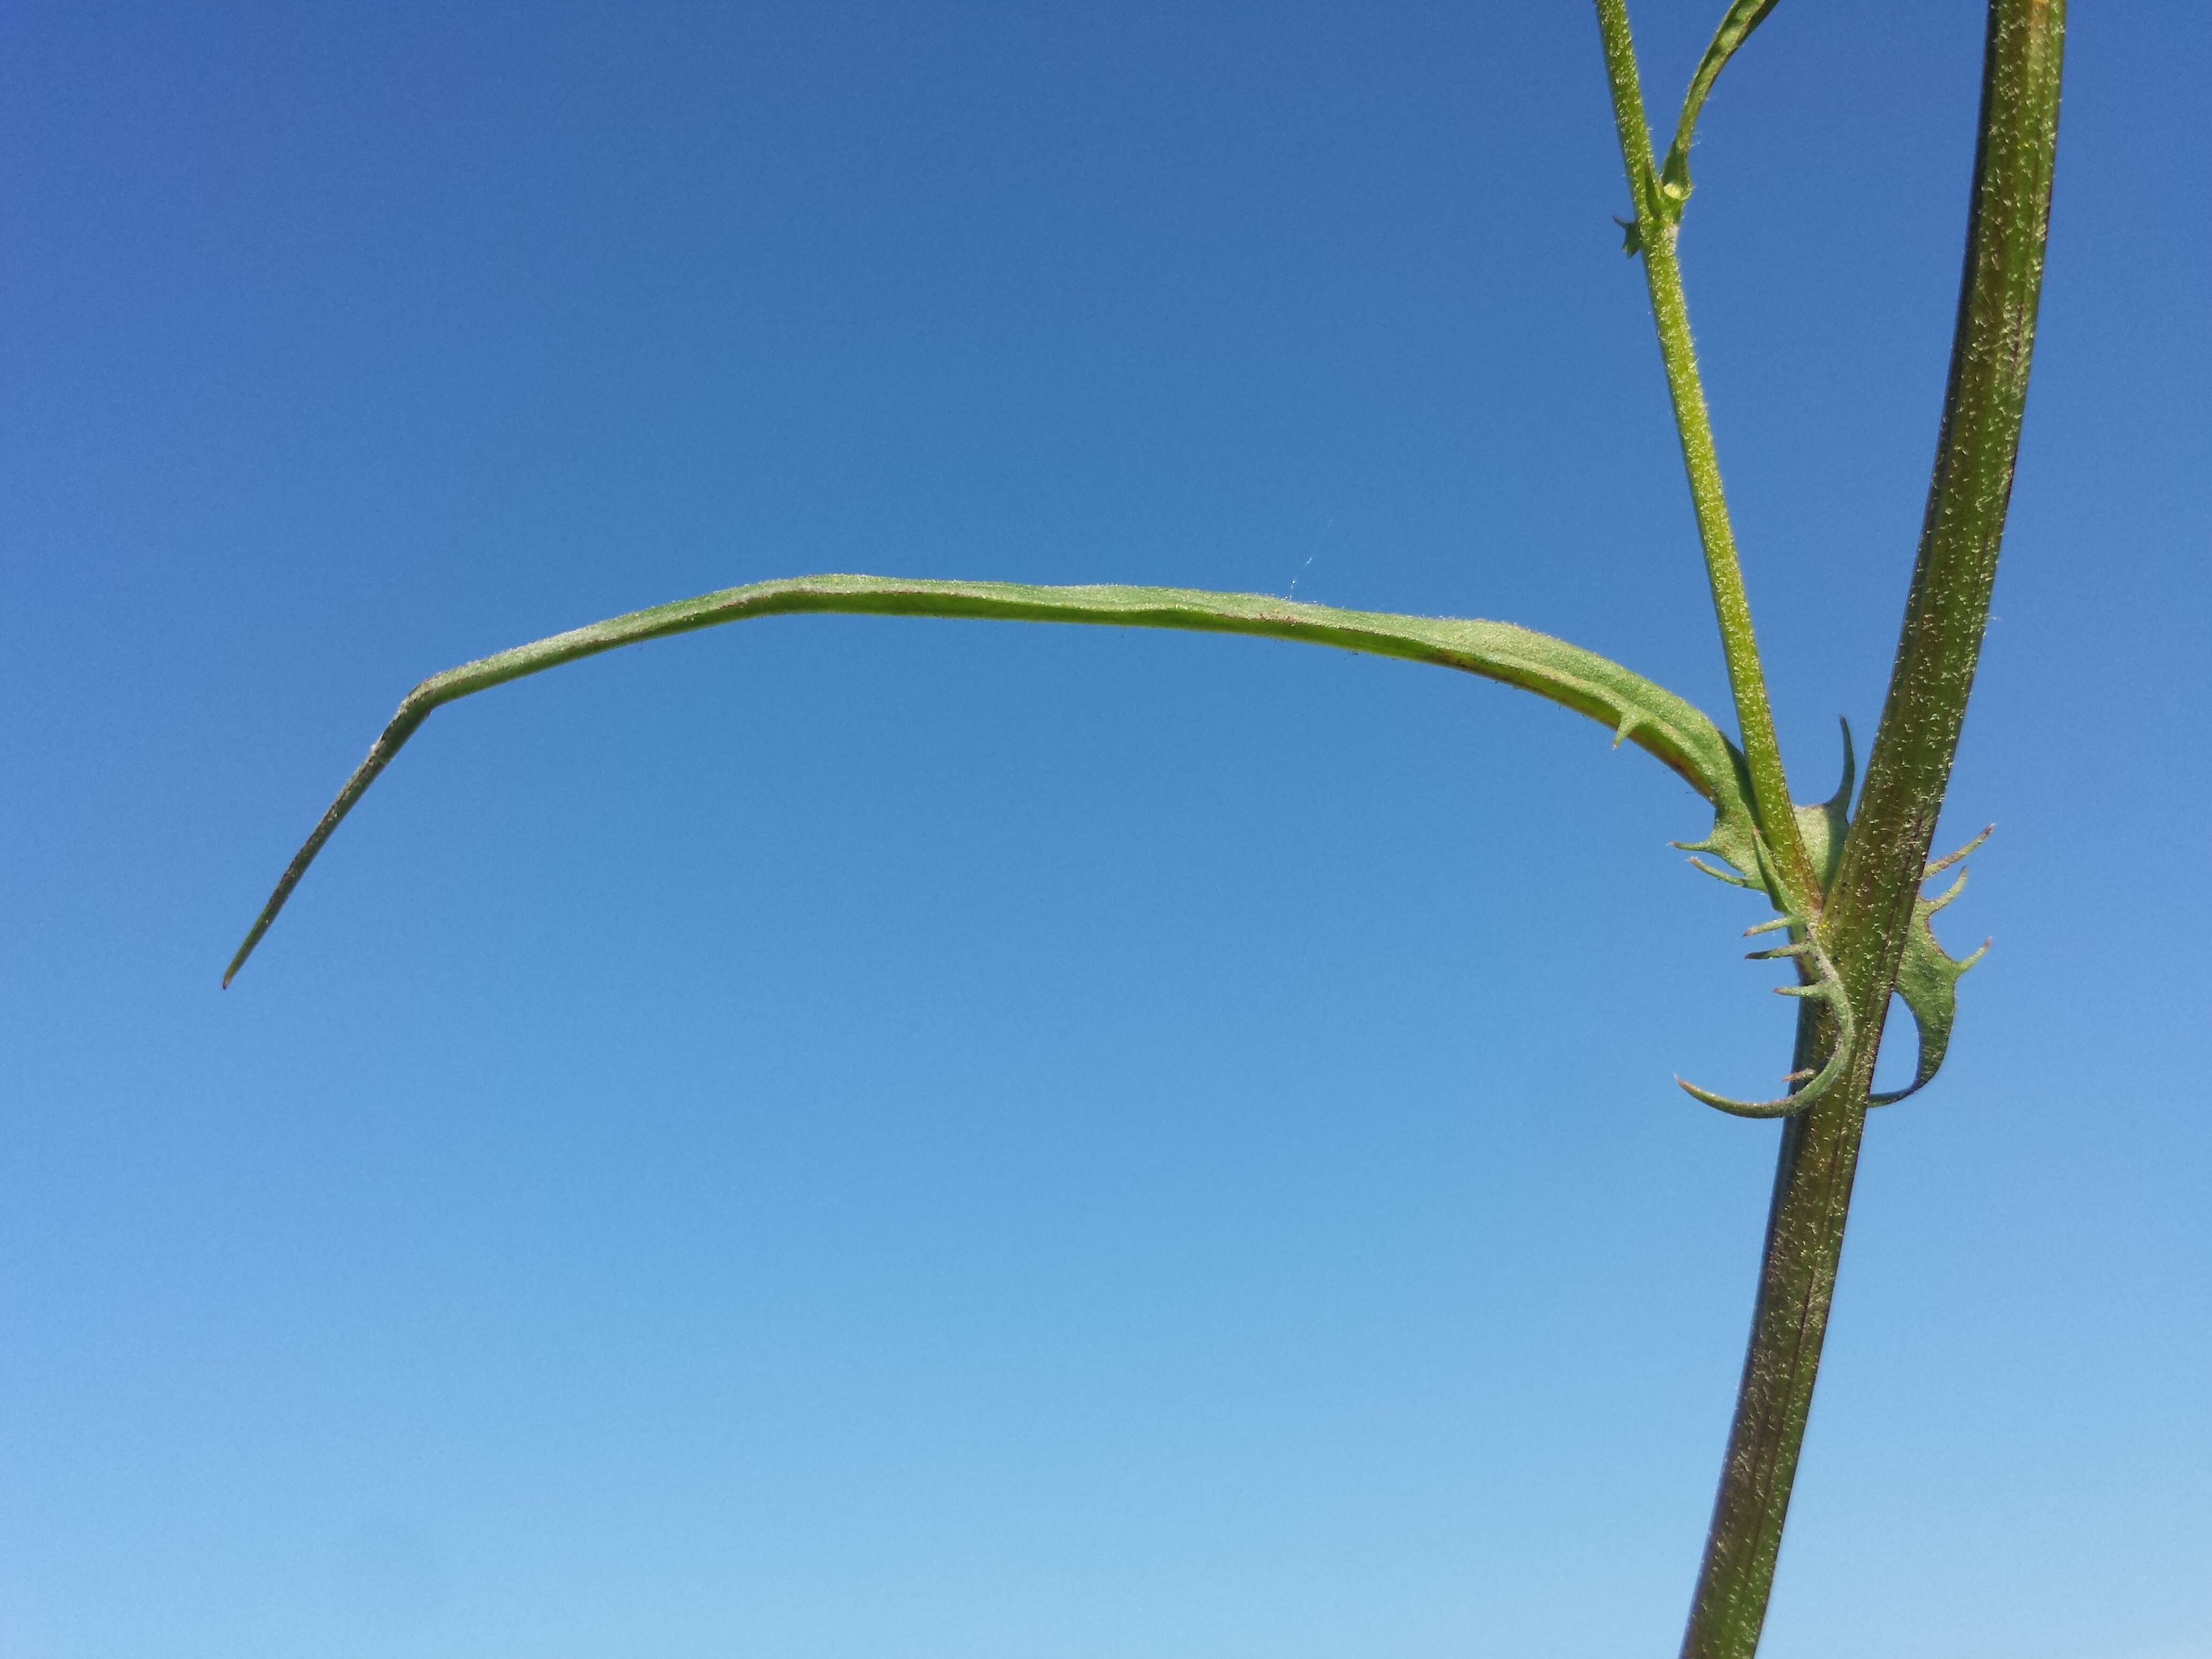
{"x":1846,"y":880}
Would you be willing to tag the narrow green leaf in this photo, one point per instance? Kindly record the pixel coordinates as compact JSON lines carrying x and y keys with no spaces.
{"x":1654,"y":719}
{"x":1735,"y":29}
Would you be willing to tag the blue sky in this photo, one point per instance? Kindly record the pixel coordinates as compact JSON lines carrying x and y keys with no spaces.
{"x":839,"y":1136}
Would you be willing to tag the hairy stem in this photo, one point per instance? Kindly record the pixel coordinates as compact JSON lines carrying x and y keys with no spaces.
{"x":1805,"y":1222}
{"x":1946,"y":611}
{"x":1654,"y":234}
{"x":1870,"y":903}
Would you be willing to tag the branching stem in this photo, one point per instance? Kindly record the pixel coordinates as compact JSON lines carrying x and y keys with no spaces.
{"x":1885,"y":854}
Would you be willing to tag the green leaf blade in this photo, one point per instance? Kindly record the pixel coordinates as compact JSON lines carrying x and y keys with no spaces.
{"x":1673,"y":731}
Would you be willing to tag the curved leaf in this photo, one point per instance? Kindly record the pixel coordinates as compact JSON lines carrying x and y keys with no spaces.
{"x":1822,"y":984}
{"x":1638,"y":712}
{"x":1927,"y":979}
{"x":1735,"y":29}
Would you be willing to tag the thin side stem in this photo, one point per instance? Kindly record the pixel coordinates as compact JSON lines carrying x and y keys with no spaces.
{"x":1670,"y":312}
{"x":1884,"y":860}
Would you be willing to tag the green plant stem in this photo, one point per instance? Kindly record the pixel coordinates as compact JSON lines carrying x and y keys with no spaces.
{"x":1870,"y":903}
{"x":1805,"y":1224}
{"x":1662,"y":272}
{"x":1946,"y":611}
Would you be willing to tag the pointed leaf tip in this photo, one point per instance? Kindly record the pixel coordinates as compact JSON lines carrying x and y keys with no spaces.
{"x":1950,"y":858}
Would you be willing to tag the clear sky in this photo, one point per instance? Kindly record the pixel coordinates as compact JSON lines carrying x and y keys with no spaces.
{"x":843,"y":1137}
